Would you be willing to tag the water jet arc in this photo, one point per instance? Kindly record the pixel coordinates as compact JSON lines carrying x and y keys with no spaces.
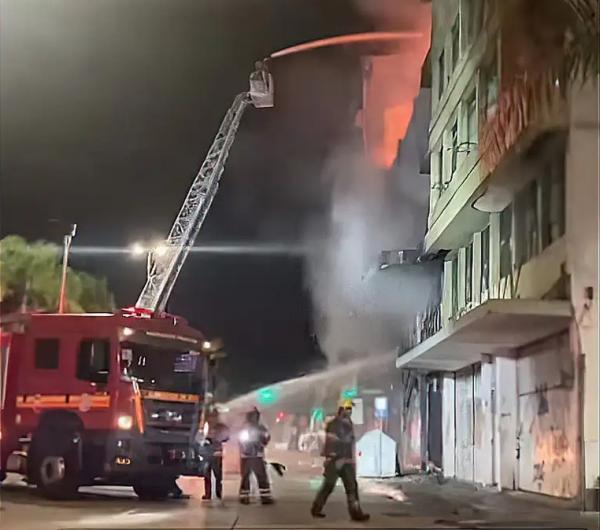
{"x":354,"y":38}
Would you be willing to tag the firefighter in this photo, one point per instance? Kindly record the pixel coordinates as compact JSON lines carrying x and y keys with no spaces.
{"x":217,"y":434}
{"x":339,"y":450}
{"x":254,"y":437}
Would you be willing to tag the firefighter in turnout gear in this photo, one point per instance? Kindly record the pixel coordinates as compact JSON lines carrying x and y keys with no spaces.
{"x":217,"y":433}
{"x":339,"y":450}
{"x":253,"y":439}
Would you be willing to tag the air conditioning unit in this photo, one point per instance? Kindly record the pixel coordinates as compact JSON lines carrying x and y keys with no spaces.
{"x":394,"y":258}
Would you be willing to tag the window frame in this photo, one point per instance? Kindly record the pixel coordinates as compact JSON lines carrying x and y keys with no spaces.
{"x":441,"y":74}
{"x":472,"y":135}
{"x":469,"y":274}
{"x":454,"y":294}
{"x":454,"y":147}
{"x":489,"y":74}
{"x":455,"y":42}
{"x":527,"y":223}
{"x":506,"y":244}
{"x":475,"y":19}
{"x":108,"y":361}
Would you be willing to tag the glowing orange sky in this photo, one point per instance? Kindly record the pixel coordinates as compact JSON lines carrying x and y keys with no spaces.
{"x":391,"y":85}
{"x":390,"y":82}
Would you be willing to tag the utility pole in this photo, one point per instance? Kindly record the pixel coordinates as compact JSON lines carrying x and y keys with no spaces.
{"x":67,"y":240}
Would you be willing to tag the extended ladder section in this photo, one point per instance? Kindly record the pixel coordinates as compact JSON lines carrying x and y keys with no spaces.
{"x":165,"y":262}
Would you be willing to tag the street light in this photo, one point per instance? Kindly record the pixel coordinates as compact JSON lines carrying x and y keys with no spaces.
{"x":67,"y":240}
{"x":160,"y":249}
{"x":137,"y":250}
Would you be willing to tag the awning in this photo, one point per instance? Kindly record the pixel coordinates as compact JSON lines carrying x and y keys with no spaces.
{"x":494,"y":327}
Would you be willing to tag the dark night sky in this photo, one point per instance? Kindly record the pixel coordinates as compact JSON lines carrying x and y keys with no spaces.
{"x":108,"y":108}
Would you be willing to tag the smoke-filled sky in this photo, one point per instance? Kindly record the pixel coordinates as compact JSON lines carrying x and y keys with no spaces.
{"x":107,"y":110}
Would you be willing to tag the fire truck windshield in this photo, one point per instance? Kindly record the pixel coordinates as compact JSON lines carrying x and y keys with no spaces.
{"x":162,"y":368}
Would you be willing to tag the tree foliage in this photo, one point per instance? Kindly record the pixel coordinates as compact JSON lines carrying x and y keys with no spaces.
{"x":30,"y":278}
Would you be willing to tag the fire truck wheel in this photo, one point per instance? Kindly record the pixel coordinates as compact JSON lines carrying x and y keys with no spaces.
{"x":53,"y":460}
{"x":157,"y":491}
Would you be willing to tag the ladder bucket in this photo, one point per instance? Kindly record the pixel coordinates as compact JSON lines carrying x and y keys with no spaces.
{"x":261,"y":88}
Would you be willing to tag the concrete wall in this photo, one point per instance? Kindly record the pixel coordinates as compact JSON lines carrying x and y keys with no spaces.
{"x":505,"y":438}
{"x":483,"y":449}
{"x":548,"y":410}
{"x":582,"y":251}
{"x":464,"y":425}
{"x":448,"y":432}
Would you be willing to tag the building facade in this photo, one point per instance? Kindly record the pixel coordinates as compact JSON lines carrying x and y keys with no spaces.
{"x":512,"y":345}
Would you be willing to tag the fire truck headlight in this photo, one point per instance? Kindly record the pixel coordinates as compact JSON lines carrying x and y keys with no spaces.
{"x":125,"y":422}
{"x":244,"y":436}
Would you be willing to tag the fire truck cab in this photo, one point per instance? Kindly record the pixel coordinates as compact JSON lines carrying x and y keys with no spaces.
{"x":101,"y":399}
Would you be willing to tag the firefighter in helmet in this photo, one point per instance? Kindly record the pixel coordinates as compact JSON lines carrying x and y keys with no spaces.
{"x":339,"y":451}
{"x":217,"y":433}
{"x":254,"y":437}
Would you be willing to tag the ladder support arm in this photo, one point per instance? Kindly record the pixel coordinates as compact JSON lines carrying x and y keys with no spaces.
{"x":164,"y":263}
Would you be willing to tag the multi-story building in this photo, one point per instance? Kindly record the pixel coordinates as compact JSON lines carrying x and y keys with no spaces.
{"x":513,"y":343}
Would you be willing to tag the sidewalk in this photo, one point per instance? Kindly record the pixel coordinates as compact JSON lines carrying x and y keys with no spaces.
{"x":456,"y":504}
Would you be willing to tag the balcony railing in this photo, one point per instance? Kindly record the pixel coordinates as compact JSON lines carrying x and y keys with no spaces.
{"x":532,"y":104}
{"x":425,"y":325}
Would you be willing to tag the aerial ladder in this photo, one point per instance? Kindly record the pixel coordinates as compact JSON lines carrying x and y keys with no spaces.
{"x":166,"y":260}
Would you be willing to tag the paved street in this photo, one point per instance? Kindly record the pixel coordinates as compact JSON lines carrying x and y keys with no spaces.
{"x":397,"y":503}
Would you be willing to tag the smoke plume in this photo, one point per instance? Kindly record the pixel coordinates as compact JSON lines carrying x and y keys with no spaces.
{"x":375,"y":205}
{"x":361,"y":309}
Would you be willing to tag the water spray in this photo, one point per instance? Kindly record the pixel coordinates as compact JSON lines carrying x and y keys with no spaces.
{"x":354,"y":38}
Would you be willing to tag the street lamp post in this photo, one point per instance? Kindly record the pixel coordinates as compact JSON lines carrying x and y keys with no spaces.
{"x":67,"y":240}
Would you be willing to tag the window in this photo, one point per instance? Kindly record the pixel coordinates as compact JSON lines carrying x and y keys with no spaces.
{"x":475,"y":14}
{"x":46,"y":354}
{"x":441,"y":75}
{"x":472,"y":121}
{"x":455,"y":286}
{"x":506,"y":242}
{"x":527,"y":241}
{"x":455,"y":42}
{"x":553,"y":204}
{"x":491,"y":83}
{"x":454,"y":135}
{"x":485,"y":263}
{"x":469,"y":275}
{"x":93,"y":360}
{"x":441,"y":166}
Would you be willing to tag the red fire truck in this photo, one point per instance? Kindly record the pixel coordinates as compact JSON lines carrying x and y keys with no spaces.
{"x":101,"y":399}
{"x":116,"y":398}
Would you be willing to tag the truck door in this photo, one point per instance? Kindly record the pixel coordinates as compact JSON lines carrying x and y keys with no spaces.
{"x":66,"y":371}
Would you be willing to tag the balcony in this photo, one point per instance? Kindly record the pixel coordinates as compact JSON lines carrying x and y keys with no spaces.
{"x":496,"y":327}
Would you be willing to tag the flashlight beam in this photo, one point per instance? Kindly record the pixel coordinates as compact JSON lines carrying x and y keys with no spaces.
{"x":233,"y":249}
